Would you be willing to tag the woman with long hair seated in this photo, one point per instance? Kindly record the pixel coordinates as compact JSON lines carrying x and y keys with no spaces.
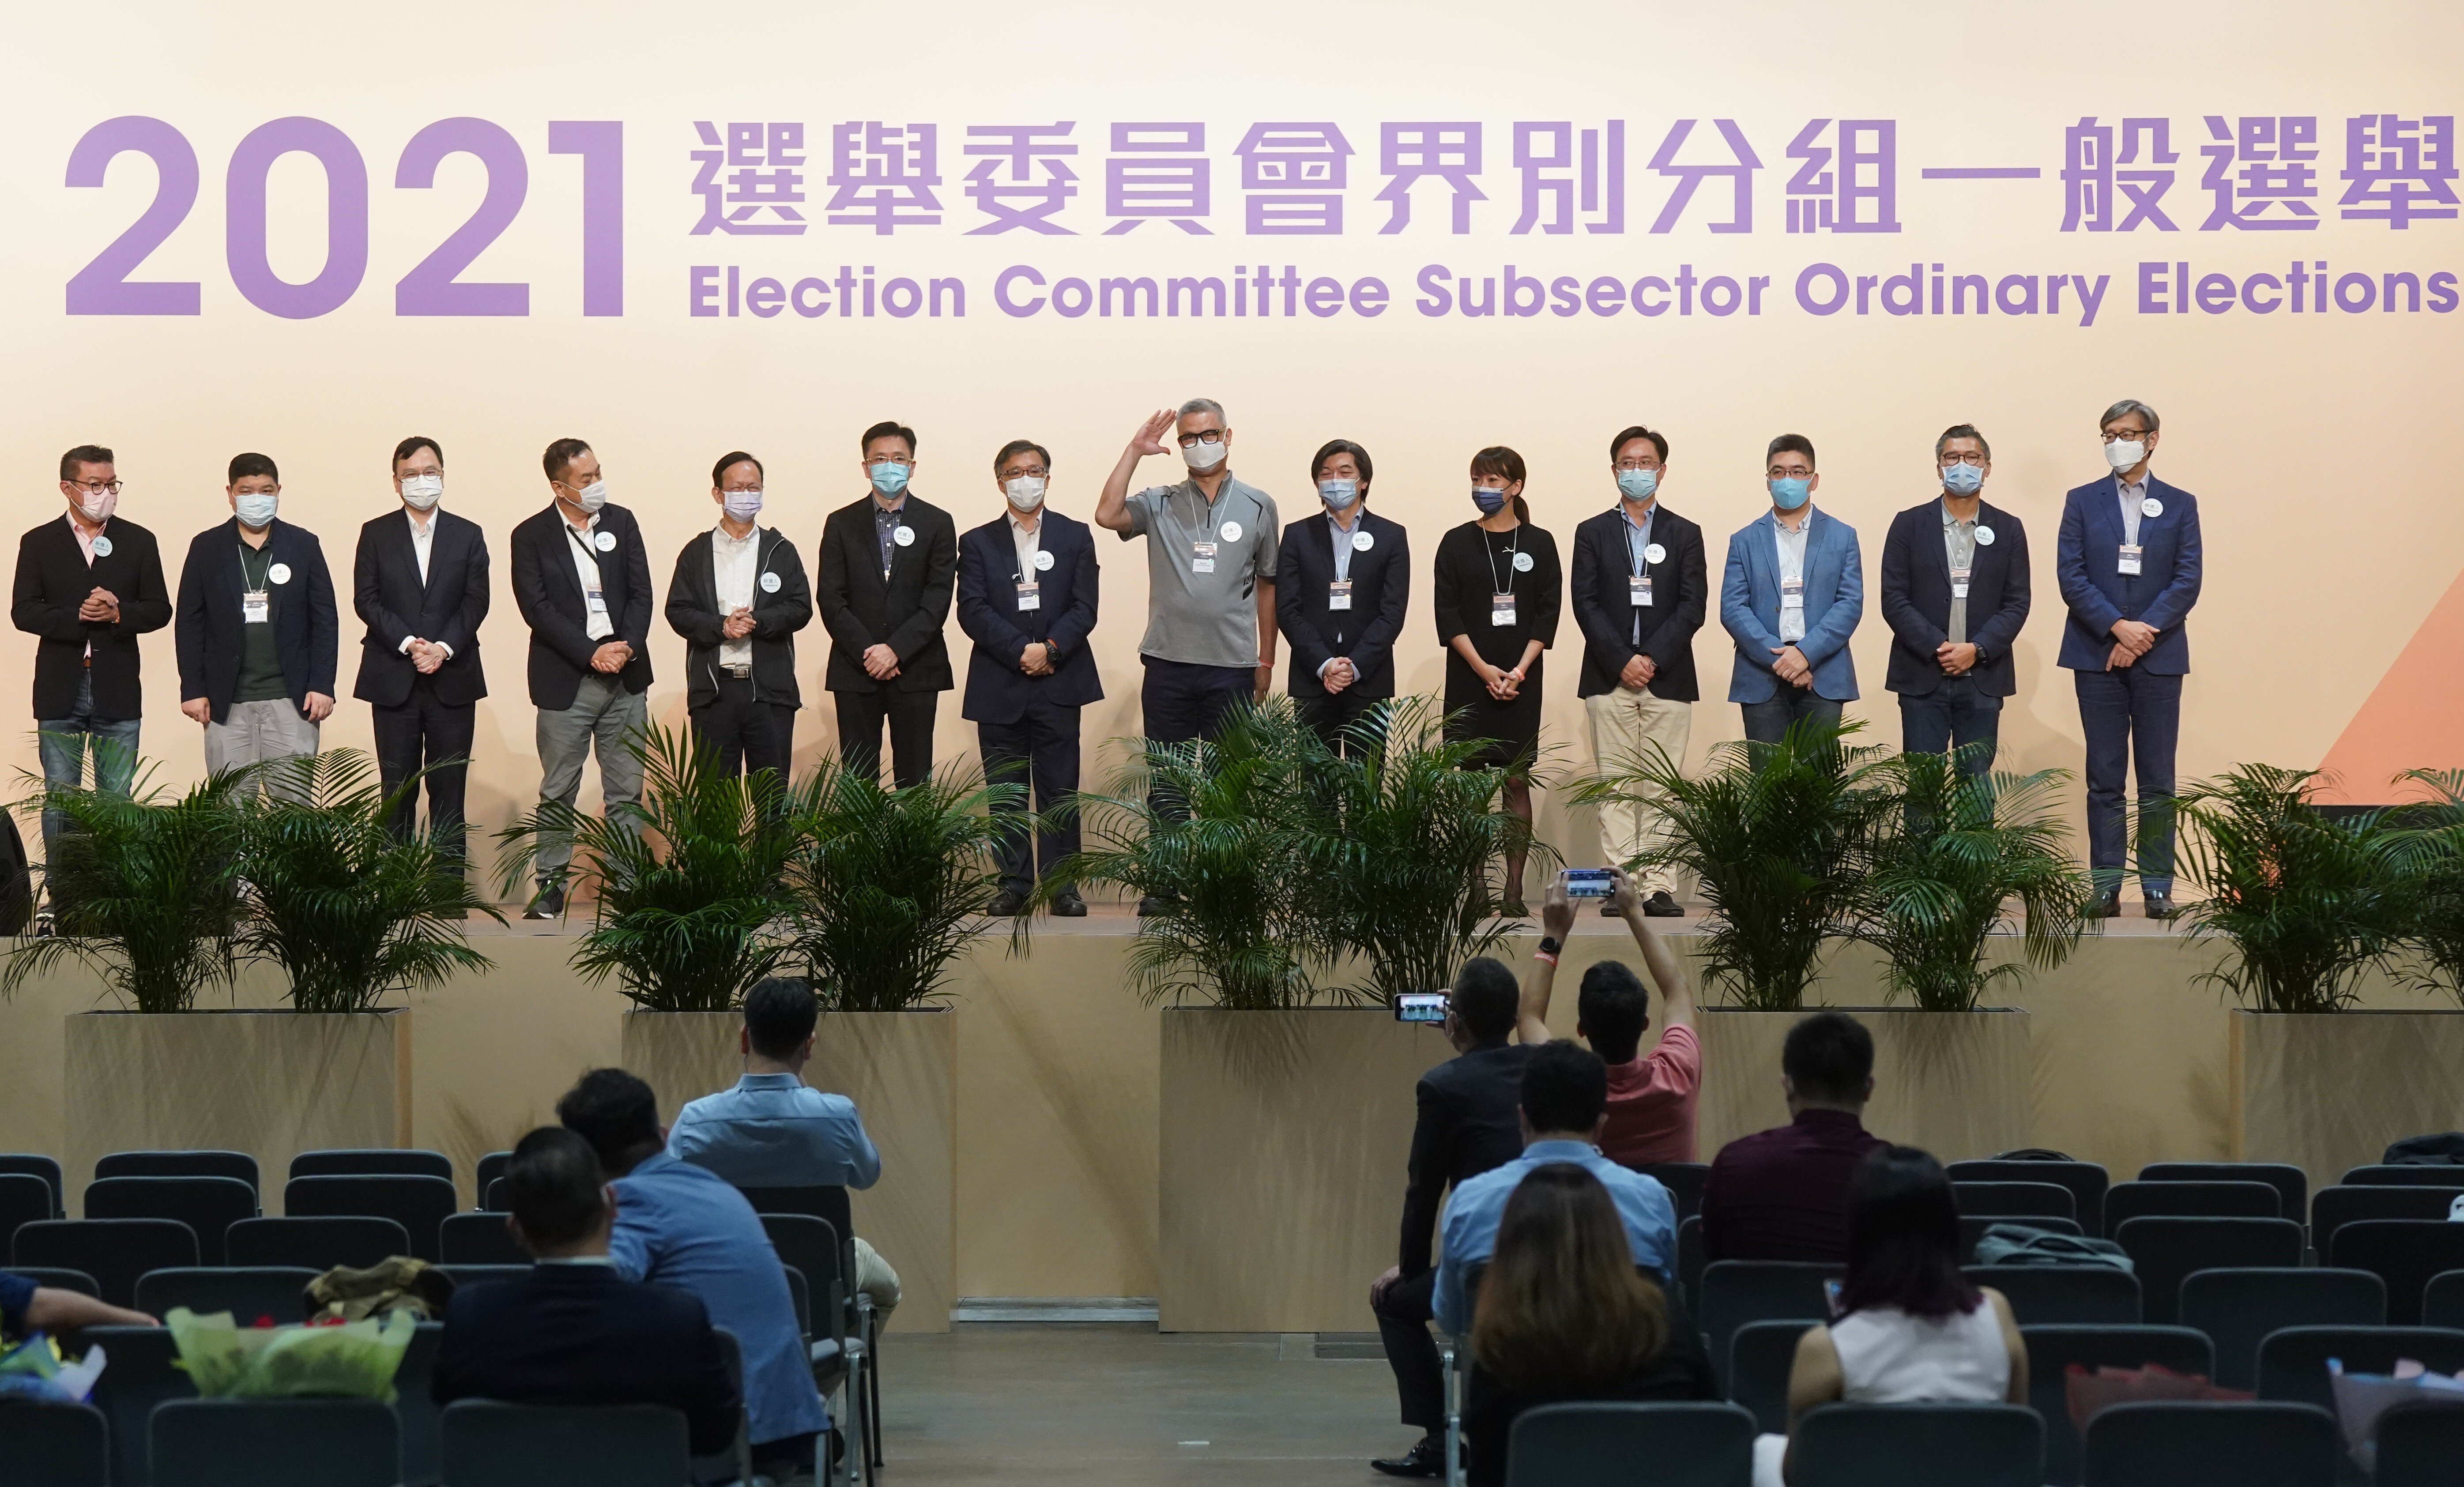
{"x":1563,"y":1315}
{"x":1907,"y":1327}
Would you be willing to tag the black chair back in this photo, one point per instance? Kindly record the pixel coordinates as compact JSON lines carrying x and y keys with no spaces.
{"x":53,"y":1445}
{"x":1599,"y":1445}
{"x":2086,"y":1181}
{"x":487,"y":1444}
{"x":2293,"y":1361}
{"x":2249,"y":1445}
{"x":250,"y":1294}
{"x":250,"y":1442}
{"x":318,"y":1244}
{"x":58,"y":1280}
{"x":2405,"y":1253}
{"x":373,"y":1162}
{"x":491,"y":1167}
{"x":416,"y":1409}
{"x":420,"y":1204}
{"x":2336,"y":1207}
{"x":1918,"y":1446}
{"x":114,"y":1251}
{"x":1690,"y":1259}
{"x":140,"y":1377}
{"x":1971,"y":1229}
{"x":2052,"y":1349}
{"x":2080,"y":1294}
{"x":2442,"y":1299}
{"x":2015,"y":1200}
{"x":478,"y":1239}
{"x":2405,"y":1175}
{"x":2237,"y":1308}
{"x":24,"y":1199}
{"x":1683,"y":1181}
{"x":207,"y":1205}
{"x":1739,"y":1291}
{"x":802,"y":1295}
{"x":496,"y":1197}
{"x":828,"y":1203}
{"x":2129,"y":1200}
{"x":2420,"y":1444}
{"x":238,"y":1166}
{"x":1761,"y":1355}
{"x":810,"y":1245}
{"x":2165,"y":1250}
{"x":2291,"y":1184}
{"x":29,"y":1163}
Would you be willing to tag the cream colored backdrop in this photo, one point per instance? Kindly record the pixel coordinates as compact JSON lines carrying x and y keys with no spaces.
{"x":2320,"y":444}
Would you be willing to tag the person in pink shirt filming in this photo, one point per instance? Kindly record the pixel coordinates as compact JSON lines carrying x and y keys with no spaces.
{"x":1651,"y":1094}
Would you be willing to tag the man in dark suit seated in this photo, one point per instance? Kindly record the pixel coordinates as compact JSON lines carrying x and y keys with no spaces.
{"x":573,"y":1331}
{"x":1469,"y":1123}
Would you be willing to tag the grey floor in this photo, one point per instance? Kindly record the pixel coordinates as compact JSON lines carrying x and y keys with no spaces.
{"x":1096,"y":1405}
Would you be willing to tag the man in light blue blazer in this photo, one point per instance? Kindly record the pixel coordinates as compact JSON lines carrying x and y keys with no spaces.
{"x":1793,"y":592}
{"x":2129,"y":564}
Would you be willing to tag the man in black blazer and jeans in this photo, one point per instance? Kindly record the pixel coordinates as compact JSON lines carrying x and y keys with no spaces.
{"x":889,"y":564}
{"x":87,"y":586}
{"x":1470,"y":1122}
{"x":1027,"y":586}
{"x":1343,"y":579}
{"x":260,"y":634}
{"x":1954,"y":593}
{"x":738,"y":597}
{"x":582,"y":579}
{"x":419,"y":585}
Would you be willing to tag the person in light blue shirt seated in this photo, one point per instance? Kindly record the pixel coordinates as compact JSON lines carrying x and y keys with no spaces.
{"x":684,"y":1226}
{"x":1565,"y":1099}
{"x":773,"y":1130}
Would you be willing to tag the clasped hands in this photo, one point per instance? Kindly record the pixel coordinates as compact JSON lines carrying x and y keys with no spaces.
{"x":2131,"y":640}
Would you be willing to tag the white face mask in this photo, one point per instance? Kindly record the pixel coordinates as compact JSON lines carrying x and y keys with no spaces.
{"x":255,"y":509}
{"x":591,"y":497}
{"x":423,"y":491}
{"x":743,"y":505}
{"x":1025,"y":492}
{"x":2123,"y":453}
{"x":1203,"y":455}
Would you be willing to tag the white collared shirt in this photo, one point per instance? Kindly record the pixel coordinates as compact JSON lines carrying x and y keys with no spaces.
{"x":597,"y":624}
{"x":732,"y":562}
{"x":1026,"y":541}
{"x":1791,"y":547}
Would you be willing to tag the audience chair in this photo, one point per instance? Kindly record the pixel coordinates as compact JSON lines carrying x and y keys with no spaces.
{"x":2086,"y":1181}
{"x":1599,"y":1445}
{"x":1739,"y":1291}
{"x":114,"y":1251}
{"x":810,"y":1245}
{"x":2405,"y":1253}
{"x":2053,"y":1348}
{"x":238,"y":1166}
{"x":491,"y":1167}
{"x":1690,"y":1261}
{"x":2015,"y":1200}
{"x":53,"y":1445}
{"x":318,"y":1244}
{"x":252,"y":1442}
{"x":415,"y":1407}
{"x":802,"y":1296}
{"x":474,"y":1275}
{"x":141,"y":1375}
{"x":2163,"y":1250}
{"x":2336,"y":1207}
{"x":2238,"y":1308}
{"x":478,"y":1239}
{"x":2293,"y":1361}
{"x":420,"y":1204}
{"x":494,"y":1198}
{"x":2247,"y":1445}
{"x":27,"y":1164}
{"x":734,"y":1461}
{"x":373,"y":1162}
{"x":1973,"y":1229}
{"x":2084,"y":1295}
{"x":1760,"y":1357}
{"x":59,"y":1280}
{"x":487,"y":1444}
{"x":2420,"y":1445}
{"x":2129,"y":1200}
{"x":2442,"y":1300}
{"x":1683,"y":1181}
{"x":24,"y":1199}
{"x":1918,"y":1446}
{"x":2292,"y":1186}
{"x":247,"y":1292}
{"x":2400,"y":1174}
{"x":207,"y":1205}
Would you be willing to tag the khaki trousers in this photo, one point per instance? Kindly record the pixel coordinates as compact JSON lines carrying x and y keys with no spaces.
{"x":1626,"y":725}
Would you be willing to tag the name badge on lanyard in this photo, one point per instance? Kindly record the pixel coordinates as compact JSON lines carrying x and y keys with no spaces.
{"x":1030,"y":595}
{"x":1637,"y":590}
{"x":255,"y":606}
{"x":596,"y":597}
{"x":1338,"y":593}
{"x":1792,"y":593}
{"x":1201,"y":557}
{"x":2130,"y":556}
{"x":1959,"y":582}
{"x":1500,"y":610}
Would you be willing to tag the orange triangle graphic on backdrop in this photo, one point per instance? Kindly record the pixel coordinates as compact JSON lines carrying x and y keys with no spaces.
{"x":2413,"y":718}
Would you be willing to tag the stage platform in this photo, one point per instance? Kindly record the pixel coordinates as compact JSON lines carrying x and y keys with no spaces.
{"x":1056,"y":1180}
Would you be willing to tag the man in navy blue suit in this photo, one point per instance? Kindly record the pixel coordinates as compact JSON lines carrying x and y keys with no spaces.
{"x":2128,"y":562}
{"x":1026,"y":597}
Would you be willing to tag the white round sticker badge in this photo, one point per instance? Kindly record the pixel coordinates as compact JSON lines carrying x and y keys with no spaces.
{"x":1654,"y":553}
{"x":1984,"y":537}
{"x":279,"y":573}
{"x":1044,"y":562}
{"x":769,"y":583}
{"x":605,"y":542}
{"x":1362,"y":541}
{"x":2151,"y":507}
{"x":103,"y":547}
{"x":906,"y":537}
{"x":1231,"y":532}
{"x":1523,"y":563}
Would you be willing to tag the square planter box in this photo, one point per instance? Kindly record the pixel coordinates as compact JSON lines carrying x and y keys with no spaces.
{"x":2327,"y":1091}
{"x":1958,"y":1083}
{"x":1285,"y":1137}
{"x":270,"y":1084}
{"x":901,"y":1070}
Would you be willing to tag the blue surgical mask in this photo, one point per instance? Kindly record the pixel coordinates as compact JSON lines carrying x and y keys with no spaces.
{"x":255,"y":509}
{"x":1638,"y":485}
{"x":1490,"y":502}
{"x":1789,"y":494}
{"x":1963,"y":479}
{"x":888,"y":478}
{"x":1338,"y":494}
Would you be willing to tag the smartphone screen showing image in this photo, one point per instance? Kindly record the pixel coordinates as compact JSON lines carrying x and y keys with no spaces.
{"x":1589,"y":881}
{"x":1420,"y":1007}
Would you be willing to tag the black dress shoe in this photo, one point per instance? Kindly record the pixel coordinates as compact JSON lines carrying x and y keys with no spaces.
{"x":1663,"y":905}
{"x":1608,"y":908}
{"x":2108,"y":906}
{"x":1006,"y":904}
{"x":2159,"y":906}
{"x":547,"y":904}
{"x":1068,"y":905}
{"x":1151,"y":905}
{"x":1428,"y":1459}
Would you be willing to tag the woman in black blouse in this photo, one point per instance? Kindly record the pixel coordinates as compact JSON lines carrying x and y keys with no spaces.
{"x":1499,"y":589}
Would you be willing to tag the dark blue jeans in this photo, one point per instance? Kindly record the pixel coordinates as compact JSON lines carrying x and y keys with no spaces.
{"x":2132,"y":716}
{"x":1767,"y":721}
{"x":1953,"y":715}
{"x":64,"y":744}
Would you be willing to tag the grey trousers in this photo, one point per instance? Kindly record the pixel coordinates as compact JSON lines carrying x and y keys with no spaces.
{"x":604,"y":715}
{"x":260,"y":732}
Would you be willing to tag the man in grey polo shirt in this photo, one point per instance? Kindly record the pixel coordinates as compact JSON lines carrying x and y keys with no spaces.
{"x":1212,"y":544}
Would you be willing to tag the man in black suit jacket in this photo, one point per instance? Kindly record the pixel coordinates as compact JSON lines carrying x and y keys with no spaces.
{"x":1470,"y":1122}
{"x":87,"y":586}
{"x":574,"y":1331}
{"x":1639,"y":591}
{"x":1343,"y":578}
{"x":1026,"y":597}
{"x":582,"y":579}
{"x":258,"y":632}
{"x":1954,"y":594}
{"x":888,"y":563}
{"x":419,"y":585}
{"x":738,"y":598}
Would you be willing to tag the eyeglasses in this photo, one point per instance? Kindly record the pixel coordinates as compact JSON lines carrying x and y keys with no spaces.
{"x":1193,"y":441}
{"x":1949,"y":460}
{"x":97,"y":487}
{"x":1644,"y":463}
{"x":1791,"y":471}
{"x":739,"y":490}
{"x":2112,"y":435}
{"x":1029,"y":472}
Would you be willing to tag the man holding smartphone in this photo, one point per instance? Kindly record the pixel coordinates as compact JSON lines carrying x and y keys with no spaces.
{"x":1651,"y":1096}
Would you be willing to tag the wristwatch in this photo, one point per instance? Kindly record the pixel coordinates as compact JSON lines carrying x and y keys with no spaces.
{"x":1549,"y":945}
